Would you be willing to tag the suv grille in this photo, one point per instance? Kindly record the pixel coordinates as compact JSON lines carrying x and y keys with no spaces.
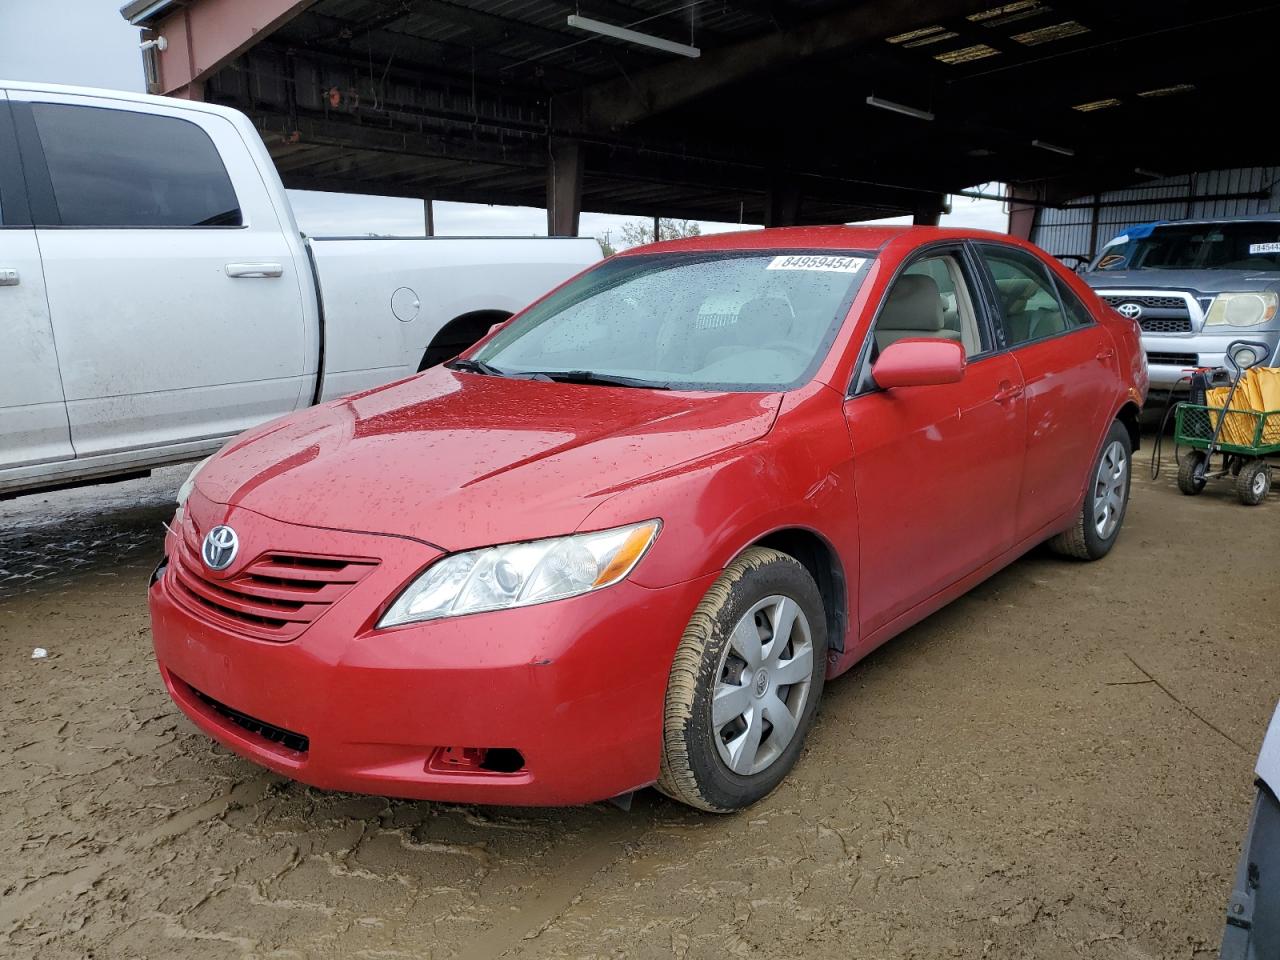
{"x":1174,"y":359}
{"x":275,"y":597}
{"x":1161,"y":314}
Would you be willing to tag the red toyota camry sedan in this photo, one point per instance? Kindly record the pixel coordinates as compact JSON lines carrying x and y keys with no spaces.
{"x":626,"y":538}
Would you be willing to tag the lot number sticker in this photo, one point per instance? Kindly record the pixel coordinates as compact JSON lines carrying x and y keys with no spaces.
{"x":1264,"y":248}
{"x":820,"y":264}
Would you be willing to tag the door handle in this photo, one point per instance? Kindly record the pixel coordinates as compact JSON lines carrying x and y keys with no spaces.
{"x":256,"y":270}
{"x":1008,"y":391}
{"x":1105,"y":355}
{"x":8,"y":277}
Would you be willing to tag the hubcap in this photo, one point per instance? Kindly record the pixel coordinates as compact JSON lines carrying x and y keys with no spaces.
{"x":1109,"y":489}
{"x":1259,"y":483}
{"x":762,"y":685}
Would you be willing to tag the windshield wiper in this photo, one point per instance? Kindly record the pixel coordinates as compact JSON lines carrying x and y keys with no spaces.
{"x":604,"y":379}
{"x":475,"y":366}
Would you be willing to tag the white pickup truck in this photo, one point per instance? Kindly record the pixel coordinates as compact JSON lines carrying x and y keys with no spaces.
{"x":156,"y":296}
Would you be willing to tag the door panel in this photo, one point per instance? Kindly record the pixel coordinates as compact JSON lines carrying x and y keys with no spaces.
{"x":33,"y":415}
{"x":158,"y":341}
{"x":1067,"y":364}
{"x":1067,"y":379}
{"x":937,"y":471}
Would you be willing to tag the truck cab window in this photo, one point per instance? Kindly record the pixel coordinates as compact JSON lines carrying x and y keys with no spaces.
{"x":118,"y":168}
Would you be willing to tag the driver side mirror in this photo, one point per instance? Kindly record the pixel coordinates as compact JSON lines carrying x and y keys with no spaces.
{"x":919,"y":362}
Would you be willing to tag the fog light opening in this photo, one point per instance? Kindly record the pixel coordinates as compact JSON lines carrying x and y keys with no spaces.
{"x":477,"y":760}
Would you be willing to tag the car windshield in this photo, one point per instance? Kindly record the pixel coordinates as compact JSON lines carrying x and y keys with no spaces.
{"x":1242,"y":245}
{"x":712,"y":321}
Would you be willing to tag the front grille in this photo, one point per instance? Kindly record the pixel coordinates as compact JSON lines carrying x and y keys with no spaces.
{"x":1161,"y":313}
{"x":275,"y":597}
{"x":1174,"y":359}
{"x":1165,"y":303}
{"x":297,"y":742}
{"x":1165,"y":325}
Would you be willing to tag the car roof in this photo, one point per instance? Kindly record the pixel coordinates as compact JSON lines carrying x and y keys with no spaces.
{"x":813,"y":238}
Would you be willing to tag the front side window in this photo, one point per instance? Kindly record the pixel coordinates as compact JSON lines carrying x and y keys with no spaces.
{"x":718,"y":321}
{"x":1030,"y":308}
{"x":118,"y":168}
{"x":930,"y":298}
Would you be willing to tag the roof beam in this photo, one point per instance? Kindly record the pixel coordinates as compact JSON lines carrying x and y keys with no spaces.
{"x":619,"y":103}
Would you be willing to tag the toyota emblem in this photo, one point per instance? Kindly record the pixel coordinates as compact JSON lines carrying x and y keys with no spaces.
{"x":219,"y":548}
{"x":1130,"y":309}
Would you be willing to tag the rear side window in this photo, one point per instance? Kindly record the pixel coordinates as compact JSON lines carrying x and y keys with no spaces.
{"x":1028,"y":296}
{"x":1078,"y":314}
{"x":117,"y":168}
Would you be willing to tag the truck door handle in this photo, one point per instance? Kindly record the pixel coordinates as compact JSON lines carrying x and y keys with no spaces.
{"x":1008,"y":391}
{"x":8,"y":277}
{"x":256,"y":270}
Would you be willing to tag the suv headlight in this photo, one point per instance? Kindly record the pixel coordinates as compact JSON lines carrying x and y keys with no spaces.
{"x":1241,"y":309}
{"x":521,"y":574}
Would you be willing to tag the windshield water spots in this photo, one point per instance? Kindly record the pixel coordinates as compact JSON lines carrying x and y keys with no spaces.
{"x":723,"y":321}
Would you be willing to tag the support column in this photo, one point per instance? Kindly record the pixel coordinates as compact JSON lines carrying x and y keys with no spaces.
{"x":928,"y":209}
{"x":564,"y":187}
{"x":782,"y":205}
{"x":1022,"y":215}
{"x":429,"y":216}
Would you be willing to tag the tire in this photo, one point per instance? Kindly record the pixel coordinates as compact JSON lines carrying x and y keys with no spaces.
{"x":1254,"y":482}
{"x":1191,"y":468}
{"x":1107,"y":496}
{"x":751,"y":594}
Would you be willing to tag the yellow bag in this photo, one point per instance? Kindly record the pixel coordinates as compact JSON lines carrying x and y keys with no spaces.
{"x":1239,"y":424}
{"x":1268,"y":381}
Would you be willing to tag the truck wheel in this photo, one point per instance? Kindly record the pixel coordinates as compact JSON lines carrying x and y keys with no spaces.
{"x":1105,"y":502}
{"x":1254,"y":483}
{"x":1191,"y":469}
{"x":744,"y":684}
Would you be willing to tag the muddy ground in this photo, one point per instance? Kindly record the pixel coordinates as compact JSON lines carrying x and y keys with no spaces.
{"x":1057,"y":765}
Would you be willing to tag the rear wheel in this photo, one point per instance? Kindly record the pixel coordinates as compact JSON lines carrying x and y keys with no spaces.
{"x":1254,"y":482}
{"x":744,"y":684}
{"x":1105,"y":502}
{"x":1192,"y":466}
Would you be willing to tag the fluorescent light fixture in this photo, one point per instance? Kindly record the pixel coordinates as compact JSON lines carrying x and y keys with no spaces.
{"x":632,"y":36}
{"x":901,"y":108}
{"x":1143,"y":172}
{"x":1053,"y":148}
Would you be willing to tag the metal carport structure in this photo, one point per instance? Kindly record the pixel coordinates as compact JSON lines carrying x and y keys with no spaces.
{"x":502,"y":101}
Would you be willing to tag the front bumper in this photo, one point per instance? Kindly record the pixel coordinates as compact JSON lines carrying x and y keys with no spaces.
{"x":1170,"y":359}
{"x":575,"y":686}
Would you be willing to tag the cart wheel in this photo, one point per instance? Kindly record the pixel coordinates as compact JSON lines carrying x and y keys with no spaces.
{"x":1191,"y":470}
{"x":1254,"y":483}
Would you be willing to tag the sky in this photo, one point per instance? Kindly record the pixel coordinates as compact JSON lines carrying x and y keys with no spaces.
{"x":87,"y":42}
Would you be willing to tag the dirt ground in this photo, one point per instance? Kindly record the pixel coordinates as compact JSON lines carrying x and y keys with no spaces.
{"x":1057,"y":765}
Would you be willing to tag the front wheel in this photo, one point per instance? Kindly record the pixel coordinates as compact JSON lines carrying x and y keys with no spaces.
{"x":1253,"y":483}
{"x":1105,"y":502}
{"x":744,"y":684}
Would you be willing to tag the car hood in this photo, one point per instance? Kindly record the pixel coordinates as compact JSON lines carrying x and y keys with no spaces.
{"x":461,"y":460}
{"x":1201,"y":281}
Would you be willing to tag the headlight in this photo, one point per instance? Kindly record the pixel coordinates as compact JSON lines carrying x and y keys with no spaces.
{"x":521,"y":574}
{"x":1241,"y":309}
{"x":189,"y":484}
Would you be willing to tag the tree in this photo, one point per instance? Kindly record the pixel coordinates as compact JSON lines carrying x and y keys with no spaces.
{"x":637,"y":232}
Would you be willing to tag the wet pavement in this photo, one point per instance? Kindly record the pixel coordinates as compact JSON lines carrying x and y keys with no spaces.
{"x":1056,"y":765}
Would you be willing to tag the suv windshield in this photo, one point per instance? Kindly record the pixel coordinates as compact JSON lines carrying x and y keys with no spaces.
{"x":714,"y":321}
{"x":1240,"y":245}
